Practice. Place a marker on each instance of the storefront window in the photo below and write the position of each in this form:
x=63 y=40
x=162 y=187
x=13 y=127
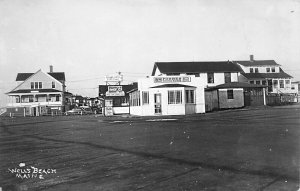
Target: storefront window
x=189 y=96
x=145 y=96
x=174 y=97
x=134 y=98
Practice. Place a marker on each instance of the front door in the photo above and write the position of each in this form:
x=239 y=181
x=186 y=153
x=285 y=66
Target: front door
x=157 y=103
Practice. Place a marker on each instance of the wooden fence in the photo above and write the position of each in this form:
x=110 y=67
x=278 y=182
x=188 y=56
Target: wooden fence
x=281 y=99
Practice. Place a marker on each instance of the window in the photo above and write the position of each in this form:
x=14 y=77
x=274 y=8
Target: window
x=268 y=70
x=210 y=78
x=275 y=82
x=189 y=96
x=251 y=70
x=174 y=97
x=251 y=82
x=17 y=99
x=264 y=82
x=36 y=85
x=145 y=96
x=30 y=98
x=273 y=69
x=227 y=76
x=229 y=94
x=281 y=83
x=57 y=98
x=256 y=70
x=257 y=82
x=287 y=83
x=53 y=84
x=134 y=98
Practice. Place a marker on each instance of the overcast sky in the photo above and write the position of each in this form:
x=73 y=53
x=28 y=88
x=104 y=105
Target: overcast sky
x=88 y=39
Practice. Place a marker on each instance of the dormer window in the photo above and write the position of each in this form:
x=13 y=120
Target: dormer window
x=273 y=69
x=53 y=84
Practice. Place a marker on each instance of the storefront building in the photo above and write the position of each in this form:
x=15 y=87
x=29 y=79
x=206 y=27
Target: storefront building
x=178 y=88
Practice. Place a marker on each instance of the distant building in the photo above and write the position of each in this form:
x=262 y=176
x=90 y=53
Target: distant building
x=39 y=93
x=115 y=98
x=265 y=72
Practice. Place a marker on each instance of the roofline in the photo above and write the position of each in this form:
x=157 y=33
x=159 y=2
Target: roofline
x=237 y=61
x=33 y=75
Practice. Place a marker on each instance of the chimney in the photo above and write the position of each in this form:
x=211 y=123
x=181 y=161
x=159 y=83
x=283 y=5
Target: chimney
x=51 y=68
x=251 y=58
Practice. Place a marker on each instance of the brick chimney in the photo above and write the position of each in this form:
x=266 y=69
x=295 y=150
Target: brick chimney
x=251 y=58
x=51 y=68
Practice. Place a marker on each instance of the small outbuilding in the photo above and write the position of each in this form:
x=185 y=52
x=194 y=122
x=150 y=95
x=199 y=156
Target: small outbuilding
x=234 y=95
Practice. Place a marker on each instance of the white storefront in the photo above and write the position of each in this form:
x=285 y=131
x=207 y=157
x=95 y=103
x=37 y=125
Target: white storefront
x=168 y=95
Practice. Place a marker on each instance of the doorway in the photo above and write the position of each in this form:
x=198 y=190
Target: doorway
x=157 y=104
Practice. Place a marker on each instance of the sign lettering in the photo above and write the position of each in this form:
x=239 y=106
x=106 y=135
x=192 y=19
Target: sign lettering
x=172 y=79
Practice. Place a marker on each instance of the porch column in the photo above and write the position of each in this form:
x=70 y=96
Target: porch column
x=264 y=93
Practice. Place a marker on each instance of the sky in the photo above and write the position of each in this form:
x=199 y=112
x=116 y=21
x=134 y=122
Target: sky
x=88 y=39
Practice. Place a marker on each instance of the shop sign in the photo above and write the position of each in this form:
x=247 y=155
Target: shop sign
x=115 y=91
x=173 y=79
x=112 y=89
x=122 y=93
x=113 y=78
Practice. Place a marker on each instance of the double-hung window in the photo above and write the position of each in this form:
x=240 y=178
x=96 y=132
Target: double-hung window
x=229 y=94
x=281 y=83
x=174 y=97
x=36 y=85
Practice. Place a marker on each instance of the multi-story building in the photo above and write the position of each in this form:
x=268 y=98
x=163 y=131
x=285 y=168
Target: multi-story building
x=266 y=72
x=38 y=93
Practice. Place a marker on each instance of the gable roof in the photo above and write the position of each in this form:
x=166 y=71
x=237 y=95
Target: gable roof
x=173 y=86
x=266 y=75
x=257 y=63
x=235 y=85
x=196 y=67
x=60 y=76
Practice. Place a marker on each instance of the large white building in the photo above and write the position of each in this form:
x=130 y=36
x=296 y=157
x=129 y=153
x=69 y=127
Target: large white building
x=38 y=93
x=178 y=88
x=266 y=72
